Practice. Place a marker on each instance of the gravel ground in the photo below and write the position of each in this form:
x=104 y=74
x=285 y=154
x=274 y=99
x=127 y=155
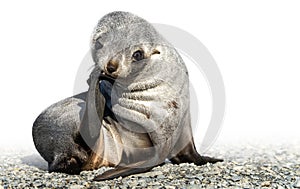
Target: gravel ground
x=245 y=166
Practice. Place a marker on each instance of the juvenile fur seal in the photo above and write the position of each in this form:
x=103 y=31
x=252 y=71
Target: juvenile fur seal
x=134 y=115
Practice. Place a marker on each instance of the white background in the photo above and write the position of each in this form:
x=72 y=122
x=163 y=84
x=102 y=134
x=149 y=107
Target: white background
x=256 y=45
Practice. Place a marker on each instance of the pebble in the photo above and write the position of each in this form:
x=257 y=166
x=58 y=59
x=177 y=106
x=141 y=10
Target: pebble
x=280 y=187
x=236 y=178
x=297 y=183
x=170 y=187
x=244 y=167
x=76 y=186
x=265 y=184
x=149 y=174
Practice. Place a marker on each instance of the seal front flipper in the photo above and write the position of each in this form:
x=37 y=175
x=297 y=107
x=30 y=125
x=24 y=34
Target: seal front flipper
x=152 y=158
x=93 y=115
x=122 y=171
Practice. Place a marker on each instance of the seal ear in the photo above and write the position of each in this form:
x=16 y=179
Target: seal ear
x=94 y=110
x=155 y=51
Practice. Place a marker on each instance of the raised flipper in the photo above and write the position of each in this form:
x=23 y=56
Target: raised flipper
x=93 y=115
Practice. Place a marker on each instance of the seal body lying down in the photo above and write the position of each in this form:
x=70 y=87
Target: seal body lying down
x=136 y=112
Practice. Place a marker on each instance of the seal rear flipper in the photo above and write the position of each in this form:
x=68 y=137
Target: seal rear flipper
x=93 y=115
x=121 y=171
x=207 y=159
x=65 y=164
x=190 y=155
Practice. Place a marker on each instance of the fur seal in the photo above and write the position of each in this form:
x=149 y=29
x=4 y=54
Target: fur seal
x=135 y=113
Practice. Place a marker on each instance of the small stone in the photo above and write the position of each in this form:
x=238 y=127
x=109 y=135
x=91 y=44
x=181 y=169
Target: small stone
x=297 y=183
x=134 y=183
x=193 y=182
x=37 y=183
x=280 y=187
x=149 y=174
x=236 y=178
x=238 y=168
x=246 y=186
x=48 y=184
x=170 y=187
x=76 y=187
x=265 y=184
x=190 y=176
x=194 y=187
x=161 y=176
x=199 y=177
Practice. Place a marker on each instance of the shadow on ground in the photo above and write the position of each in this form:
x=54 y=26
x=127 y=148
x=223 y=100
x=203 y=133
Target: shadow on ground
x=36 y=161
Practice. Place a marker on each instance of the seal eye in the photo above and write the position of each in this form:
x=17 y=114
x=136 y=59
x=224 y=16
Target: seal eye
x=98 y=45
x=138 y=55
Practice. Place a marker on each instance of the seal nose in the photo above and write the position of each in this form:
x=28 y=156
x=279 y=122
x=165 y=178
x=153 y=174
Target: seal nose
x=112 y=67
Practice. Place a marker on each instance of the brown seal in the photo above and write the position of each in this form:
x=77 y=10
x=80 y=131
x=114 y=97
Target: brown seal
x=137 y=118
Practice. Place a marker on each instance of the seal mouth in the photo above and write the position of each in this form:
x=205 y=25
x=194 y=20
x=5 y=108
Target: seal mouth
x=104 y=76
